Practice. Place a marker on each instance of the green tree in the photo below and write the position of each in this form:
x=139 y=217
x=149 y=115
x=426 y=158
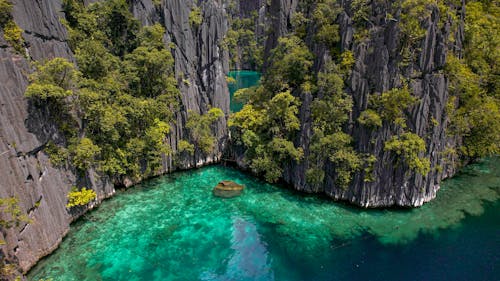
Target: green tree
x=11 y=213
x=151 y=37
x=482 y=32
x=245 y=45
x=291 y=62
x=120 y=26
x=409 y=147
x=330 y=111
x=14 y=35
x=477 y=118
x=150 y=72
x=84 y=153
x=54 y=79
x=51 y=83
x=185 y=146
x=325 y=17
x=200 y=129
x=195 y=16
x=370 y=118
x=392 y=105
x=94 y=60
x=156 y=142
x=265 y=128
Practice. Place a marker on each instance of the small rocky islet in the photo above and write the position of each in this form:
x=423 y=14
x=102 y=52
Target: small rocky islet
x=228 y=189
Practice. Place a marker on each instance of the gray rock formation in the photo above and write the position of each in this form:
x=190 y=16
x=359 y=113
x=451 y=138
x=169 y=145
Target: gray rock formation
x=377 y=70
x=200 y=67
x=25 y=170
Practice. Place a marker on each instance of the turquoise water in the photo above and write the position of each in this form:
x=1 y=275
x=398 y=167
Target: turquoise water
x=244 y=79
x=172 y=228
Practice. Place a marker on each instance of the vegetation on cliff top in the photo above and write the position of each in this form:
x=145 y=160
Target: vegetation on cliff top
x=474 y=82
x=290 y=73
x=125 y=91
x=116 y=109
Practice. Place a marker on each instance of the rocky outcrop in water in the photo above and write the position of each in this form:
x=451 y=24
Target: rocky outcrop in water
x=378 y=69
x=227 y=189
x=25 y=170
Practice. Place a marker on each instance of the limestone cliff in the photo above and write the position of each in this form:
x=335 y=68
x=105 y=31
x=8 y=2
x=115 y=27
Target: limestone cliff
x=377 y=69
x=25 y=170
x=198 y=60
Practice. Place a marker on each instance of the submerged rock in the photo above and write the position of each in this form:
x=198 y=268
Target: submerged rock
x=228 y=189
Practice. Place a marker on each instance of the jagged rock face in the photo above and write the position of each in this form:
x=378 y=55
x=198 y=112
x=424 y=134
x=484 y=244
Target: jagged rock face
x=245 y=8
x=280 y=14
x=25 y=170
x=200 y=65
x=377 y=70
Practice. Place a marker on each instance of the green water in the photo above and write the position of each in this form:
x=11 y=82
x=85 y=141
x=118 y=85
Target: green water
x=244 y=79
x=172 y=228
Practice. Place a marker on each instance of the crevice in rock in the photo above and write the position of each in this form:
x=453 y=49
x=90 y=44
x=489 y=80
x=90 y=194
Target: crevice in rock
x=32 y=152
x=35 y=206
x=45 y=37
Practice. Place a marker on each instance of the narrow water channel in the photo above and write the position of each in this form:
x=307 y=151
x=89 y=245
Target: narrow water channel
x=243 y=79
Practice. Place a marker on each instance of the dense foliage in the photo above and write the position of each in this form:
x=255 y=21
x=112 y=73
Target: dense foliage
x=267 y=123
x=114 y=110
x=200 y=130
x=409 y=147
x=291 y=74
x=474 y=83
x=330 y=112
x=5 y=10
x=125 y=93
x=117 y=108
x=325 y=18
x=195 y=16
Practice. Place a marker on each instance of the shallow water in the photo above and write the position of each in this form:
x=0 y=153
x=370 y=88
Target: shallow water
x=172 y=228
x=244 y=79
